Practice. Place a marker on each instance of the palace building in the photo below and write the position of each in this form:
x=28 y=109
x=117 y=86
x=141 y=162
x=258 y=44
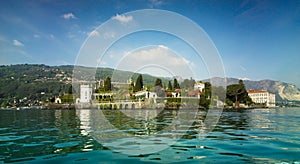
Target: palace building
x=262 y=97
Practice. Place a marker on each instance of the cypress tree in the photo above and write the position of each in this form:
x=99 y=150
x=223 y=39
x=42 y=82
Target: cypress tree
x=70 y=91
x=158 y=82
x=176 y=85
x=107 y=84
x=158 y=88
x=138 y=84
x=170 y=86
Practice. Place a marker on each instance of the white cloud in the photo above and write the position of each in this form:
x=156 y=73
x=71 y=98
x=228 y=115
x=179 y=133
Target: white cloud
x=156 y=60
x=159 y=54
x=69 y=16
x=244 y=78
x=17 y=43
x=94 y=33
x=162 y=46
x=123 y=18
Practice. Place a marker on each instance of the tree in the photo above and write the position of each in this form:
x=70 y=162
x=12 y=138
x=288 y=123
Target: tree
x=237 y=93
x=107 y=84
x=131 y=86
x=138 y=84
x=70 y=91
x=158 y=88
x=170 y=86
x=188 y=83
x=205 y=96
x=245 y=97
x=204 y=102
x=244 y=94
x=176 y=84
x=149 y=87
x=158 y=83
x=67 y=98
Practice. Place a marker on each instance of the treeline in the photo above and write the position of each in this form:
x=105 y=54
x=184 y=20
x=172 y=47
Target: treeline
x=25 y=84
x=233 y=95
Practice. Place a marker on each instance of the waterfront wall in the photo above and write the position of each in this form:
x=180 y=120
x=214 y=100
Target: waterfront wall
x=115 y=105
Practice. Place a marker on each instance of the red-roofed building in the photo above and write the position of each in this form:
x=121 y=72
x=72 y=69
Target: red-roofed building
x=262 y=97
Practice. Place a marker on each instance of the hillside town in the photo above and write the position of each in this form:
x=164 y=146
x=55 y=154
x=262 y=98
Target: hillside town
x=51 y=87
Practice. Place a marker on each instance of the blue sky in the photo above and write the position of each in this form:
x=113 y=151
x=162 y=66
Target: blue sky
x=255 y=39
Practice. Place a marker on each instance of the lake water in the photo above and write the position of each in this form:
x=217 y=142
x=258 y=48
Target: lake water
x=68 y=136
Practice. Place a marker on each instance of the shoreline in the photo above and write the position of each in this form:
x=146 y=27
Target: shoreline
x=97 y=106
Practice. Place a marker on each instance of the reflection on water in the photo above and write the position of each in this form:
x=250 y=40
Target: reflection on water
x=136 y=132
x=260 y=135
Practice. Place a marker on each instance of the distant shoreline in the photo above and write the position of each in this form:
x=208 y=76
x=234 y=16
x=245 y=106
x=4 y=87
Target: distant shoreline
x=89 y=106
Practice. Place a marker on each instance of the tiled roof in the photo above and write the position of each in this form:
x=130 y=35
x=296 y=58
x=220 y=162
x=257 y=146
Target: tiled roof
x=256 y=91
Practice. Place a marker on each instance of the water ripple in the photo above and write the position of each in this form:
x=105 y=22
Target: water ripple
x=251 y=136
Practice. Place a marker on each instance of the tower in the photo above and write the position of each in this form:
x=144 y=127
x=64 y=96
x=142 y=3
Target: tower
x=85 y=93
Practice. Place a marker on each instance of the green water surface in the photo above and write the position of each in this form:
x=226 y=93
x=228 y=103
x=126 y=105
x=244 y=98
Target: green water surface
x=61 y=136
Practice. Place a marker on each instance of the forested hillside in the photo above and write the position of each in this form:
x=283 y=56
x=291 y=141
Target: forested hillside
x=27 y=83
x=33 y=83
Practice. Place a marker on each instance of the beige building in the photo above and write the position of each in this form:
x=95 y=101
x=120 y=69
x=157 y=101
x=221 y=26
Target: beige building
x=262 y=97
x=199 y=86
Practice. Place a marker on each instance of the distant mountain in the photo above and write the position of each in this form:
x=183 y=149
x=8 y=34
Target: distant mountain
x=283 y=91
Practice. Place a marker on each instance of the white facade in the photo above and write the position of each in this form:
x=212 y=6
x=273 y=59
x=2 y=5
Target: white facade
x=57 y=100
x=272 y=101
x=146 y=94
x=85 y=93
x=175 y=94
x=199 y=86
x=262 y=97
